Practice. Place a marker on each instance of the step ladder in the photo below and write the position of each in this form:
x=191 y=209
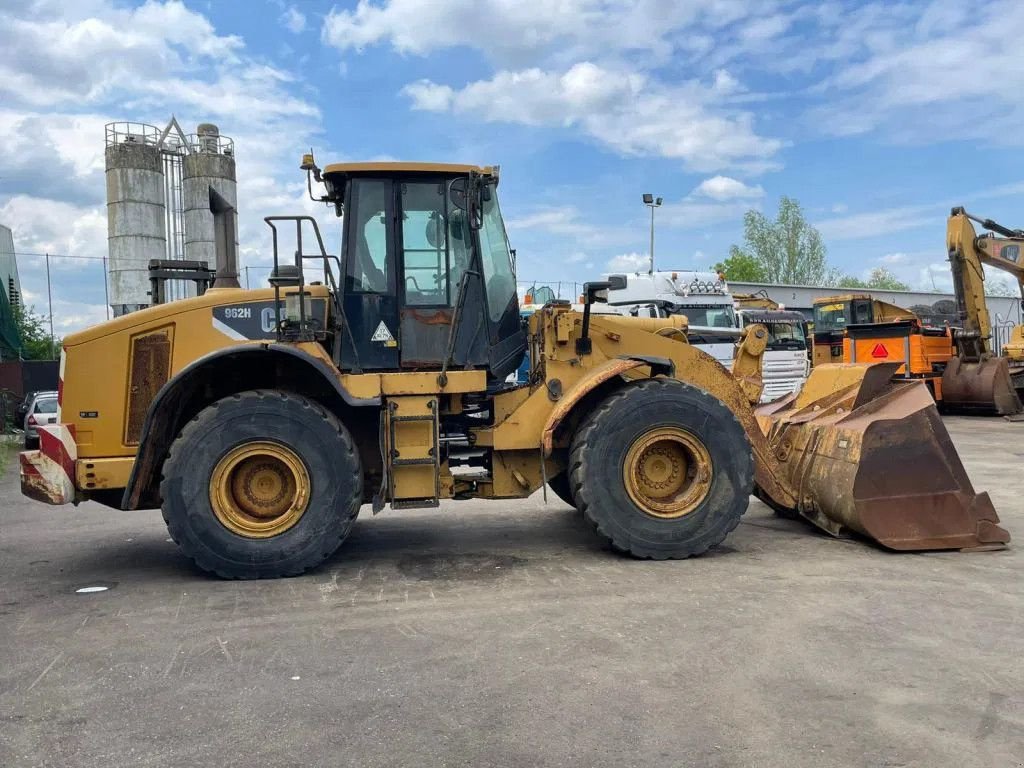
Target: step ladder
x=413 y=451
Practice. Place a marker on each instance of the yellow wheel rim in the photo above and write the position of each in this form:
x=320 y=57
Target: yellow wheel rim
x=667 y=472
x=259 y=489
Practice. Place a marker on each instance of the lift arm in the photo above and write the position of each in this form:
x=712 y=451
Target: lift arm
x=967 y=253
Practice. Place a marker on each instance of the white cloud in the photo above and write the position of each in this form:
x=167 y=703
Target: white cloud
x=891 y=68
x=880 y=222
x=630 y=262
x=293 y=20
x=726 y=188
x=894 y=258
x=68 y=69
x=56 y=56
x=516 y=31
x=624 y=110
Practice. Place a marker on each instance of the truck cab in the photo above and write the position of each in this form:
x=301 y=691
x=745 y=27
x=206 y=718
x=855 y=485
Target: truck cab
x=785 y=365
x=703 y=297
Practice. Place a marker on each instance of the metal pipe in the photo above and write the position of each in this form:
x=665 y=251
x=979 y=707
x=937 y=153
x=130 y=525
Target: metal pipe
x=651 y=270
x=49 y=304
x=106 y=288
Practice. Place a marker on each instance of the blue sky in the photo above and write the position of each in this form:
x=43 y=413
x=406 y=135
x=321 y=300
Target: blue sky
x=877 y=117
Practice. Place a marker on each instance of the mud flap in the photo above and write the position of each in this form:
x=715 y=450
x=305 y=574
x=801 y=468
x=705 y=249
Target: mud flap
x=982 y=388
x=873 y=457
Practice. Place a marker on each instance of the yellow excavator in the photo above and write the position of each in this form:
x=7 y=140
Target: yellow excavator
x=976 y=379
x=261 y=421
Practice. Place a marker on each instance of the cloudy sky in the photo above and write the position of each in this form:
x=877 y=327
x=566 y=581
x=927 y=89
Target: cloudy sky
x=877 y=117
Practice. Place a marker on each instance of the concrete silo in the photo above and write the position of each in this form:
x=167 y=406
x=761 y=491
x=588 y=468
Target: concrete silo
x=209 y=186
x=136 y=215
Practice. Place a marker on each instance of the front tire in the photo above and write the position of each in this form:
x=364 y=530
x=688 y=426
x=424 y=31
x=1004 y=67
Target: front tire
x=662 y=470
x=261 y=484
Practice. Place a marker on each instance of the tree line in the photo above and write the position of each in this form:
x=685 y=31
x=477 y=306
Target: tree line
x=790 y=251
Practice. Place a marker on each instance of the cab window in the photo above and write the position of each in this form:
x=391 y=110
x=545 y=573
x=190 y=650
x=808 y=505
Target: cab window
x=497 y=260
x=368 y=246
x=434 y=250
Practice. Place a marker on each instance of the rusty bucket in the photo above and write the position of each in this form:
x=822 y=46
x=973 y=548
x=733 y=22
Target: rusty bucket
x=865 y=454
x=982 y=388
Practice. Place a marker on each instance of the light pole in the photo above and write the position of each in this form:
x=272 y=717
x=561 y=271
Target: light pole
x=652 y=202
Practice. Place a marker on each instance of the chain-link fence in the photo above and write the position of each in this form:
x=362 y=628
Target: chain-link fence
x=69 y=292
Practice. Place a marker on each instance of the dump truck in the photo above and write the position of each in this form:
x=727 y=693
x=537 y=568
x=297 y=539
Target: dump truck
x=977 y=380
x=262 y=421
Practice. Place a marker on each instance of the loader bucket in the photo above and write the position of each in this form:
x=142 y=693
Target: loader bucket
x=982 y=388
x=872 y=456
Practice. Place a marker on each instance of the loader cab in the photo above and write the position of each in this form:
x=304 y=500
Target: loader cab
x=831 y=316
x=428 y=275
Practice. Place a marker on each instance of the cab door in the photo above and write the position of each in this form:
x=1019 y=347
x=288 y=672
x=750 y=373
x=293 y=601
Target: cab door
x=370 y=290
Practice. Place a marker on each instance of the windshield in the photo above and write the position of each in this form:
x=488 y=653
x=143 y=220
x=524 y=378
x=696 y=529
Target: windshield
x=786 y=336
x=497 y=260
x=708 y=315
x=830 y=317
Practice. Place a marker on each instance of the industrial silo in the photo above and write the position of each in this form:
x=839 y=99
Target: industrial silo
x=136 y=216
x=208 y=180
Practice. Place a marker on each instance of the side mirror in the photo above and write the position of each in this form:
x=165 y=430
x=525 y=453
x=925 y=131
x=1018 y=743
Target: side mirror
x=617 y=282
x=596 y=291
x=457 y=193
x=465 y=194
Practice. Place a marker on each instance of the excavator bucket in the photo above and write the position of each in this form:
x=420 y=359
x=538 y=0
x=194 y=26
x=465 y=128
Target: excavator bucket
x=862 y=453
x=983 y=388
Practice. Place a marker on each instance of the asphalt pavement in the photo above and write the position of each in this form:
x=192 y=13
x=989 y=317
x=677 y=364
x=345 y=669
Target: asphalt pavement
x=505 y=634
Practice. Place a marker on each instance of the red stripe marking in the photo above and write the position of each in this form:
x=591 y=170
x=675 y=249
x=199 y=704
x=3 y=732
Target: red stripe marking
x=27 y=467
x=53 y=447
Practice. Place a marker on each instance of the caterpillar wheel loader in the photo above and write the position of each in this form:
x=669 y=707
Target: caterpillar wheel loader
x=261 y=421
x=976 y=379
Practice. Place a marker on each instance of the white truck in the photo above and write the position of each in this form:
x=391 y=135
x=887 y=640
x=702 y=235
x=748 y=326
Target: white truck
x=716 y=321
x=785 y=365
x=702 y=296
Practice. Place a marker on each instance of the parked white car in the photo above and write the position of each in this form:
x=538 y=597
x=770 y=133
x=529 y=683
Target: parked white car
x=42 y=410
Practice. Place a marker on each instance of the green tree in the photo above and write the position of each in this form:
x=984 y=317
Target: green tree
x=35 y=335
x=787 y=250
x=741 y=267
x=880 y=279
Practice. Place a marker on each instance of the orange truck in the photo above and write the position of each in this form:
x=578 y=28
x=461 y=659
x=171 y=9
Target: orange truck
x=923 y=351
x=873 y=331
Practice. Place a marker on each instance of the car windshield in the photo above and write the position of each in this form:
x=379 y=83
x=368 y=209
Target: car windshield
x=46 y=405
x=708 y=315
x=786 y=336
x=830 y=317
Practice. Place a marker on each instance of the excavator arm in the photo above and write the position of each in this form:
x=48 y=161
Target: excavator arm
x=976 y=380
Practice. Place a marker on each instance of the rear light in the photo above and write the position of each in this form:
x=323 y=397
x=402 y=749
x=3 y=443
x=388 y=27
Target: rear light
x=32 y=420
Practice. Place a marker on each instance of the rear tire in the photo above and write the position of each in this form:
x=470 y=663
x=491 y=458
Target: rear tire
x=261 y=484
x=662 y=470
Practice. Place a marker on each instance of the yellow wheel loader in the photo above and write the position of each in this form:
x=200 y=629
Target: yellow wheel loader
x=976 y=379
x=261 y=421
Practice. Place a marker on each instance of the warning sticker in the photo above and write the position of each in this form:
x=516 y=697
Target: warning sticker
x=383 y=334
